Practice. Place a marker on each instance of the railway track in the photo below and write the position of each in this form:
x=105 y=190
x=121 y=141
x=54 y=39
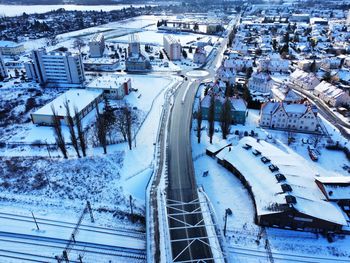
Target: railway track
x=83 y=227
x=56 y=244
x=282 y=257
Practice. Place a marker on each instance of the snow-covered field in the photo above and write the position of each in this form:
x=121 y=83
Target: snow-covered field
x=53 y=187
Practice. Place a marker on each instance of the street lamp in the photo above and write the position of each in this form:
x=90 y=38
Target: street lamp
x=228 y=211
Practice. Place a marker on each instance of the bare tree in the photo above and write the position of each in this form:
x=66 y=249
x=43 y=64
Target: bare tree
x=101 y=131
x=199 y=121
x=121 y=123
x=81 y=133
x=211 y=118
x=79 y=43
x=58 y=133
x=70 y=123
x=226 y=118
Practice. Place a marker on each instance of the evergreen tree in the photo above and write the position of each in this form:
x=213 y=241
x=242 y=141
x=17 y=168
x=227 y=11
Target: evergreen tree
x=199 y=121
x=226 y=118
x=313 y=66
x=211 y=118
x=184 y=54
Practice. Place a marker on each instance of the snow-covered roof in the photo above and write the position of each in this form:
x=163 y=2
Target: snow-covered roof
x=108 y=82
x=79 y=98
x=335 y=188
x=213 y=148
x=98 y=37
x=269 y=195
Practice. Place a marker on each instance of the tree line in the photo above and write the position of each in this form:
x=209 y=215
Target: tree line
x=107 y=122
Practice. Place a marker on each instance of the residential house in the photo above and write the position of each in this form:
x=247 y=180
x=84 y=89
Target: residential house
x=238 y=108
x=289 y=116
x=332 y=95
x=304 y=80
x=260 y=82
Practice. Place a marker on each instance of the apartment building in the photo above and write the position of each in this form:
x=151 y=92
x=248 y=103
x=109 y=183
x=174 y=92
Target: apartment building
x=55 y=68
x=172 y=47
x=3 y=71
x=289 y=116
x=97 y=45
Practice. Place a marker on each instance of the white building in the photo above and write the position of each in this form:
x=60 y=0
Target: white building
x=304 y=80
x=285 y=94
x=226 y=74
x=9 y=48
x=113 y=86
x=289 y=116
x=199 y=56
x=61 y=68
x=172 y=47
x=3 y=70
x=237 y=63
x=97 y=45
x=134 y=48
x=273 y=63
x=331 y=94
x=260 y=82
x=81 y=100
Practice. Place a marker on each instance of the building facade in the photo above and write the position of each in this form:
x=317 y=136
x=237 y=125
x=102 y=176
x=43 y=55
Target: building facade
x=3 y=70
x=332 y=95
x=113 y=86
x=55 y=68
x=238 y=108
x=97 y=45
x=289 y=116
x=8 y=48
x=172 y=47
x=260 y=82
x=80 y=100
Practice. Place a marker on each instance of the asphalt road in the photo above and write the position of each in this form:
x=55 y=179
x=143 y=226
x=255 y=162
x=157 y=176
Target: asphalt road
x=182 y=187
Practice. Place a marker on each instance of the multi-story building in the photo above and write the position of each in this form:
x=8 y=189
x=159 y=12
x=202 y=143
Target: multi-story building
x=134 y=45
x=8 y=48
x=97 y=45
x=304 y=80
x=199 y=56
x=113 y=86
x=55 y=68
x=3 y=71
x=289 y=116
x=238 y=108
x=260 y=82
x=172 y=47
x=273 y=63
x=331 y=94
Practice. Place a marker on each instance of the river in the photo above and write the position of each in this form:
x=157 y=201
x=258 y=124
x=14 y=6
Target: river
x=15 y=10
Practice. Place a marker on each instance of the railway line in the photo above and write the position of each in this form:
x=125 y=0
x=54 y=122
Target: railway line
x=48 y=245
x=281 y=257
x=83 y=227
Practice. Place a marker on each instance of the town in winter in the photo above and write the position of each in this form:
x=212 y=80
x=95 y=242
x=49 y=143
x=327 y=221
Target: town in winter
x=174 y=131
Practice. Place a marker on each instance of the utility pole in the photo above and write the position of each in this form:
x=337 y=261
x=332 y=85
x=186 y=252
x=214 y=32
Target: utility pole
x=131 y=208
x=37 y=226
x=88 y=205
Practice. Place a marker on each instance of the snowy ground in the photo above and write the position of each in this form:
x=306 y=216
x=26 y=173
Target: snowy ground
x=226 y=191
x=58 y=188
